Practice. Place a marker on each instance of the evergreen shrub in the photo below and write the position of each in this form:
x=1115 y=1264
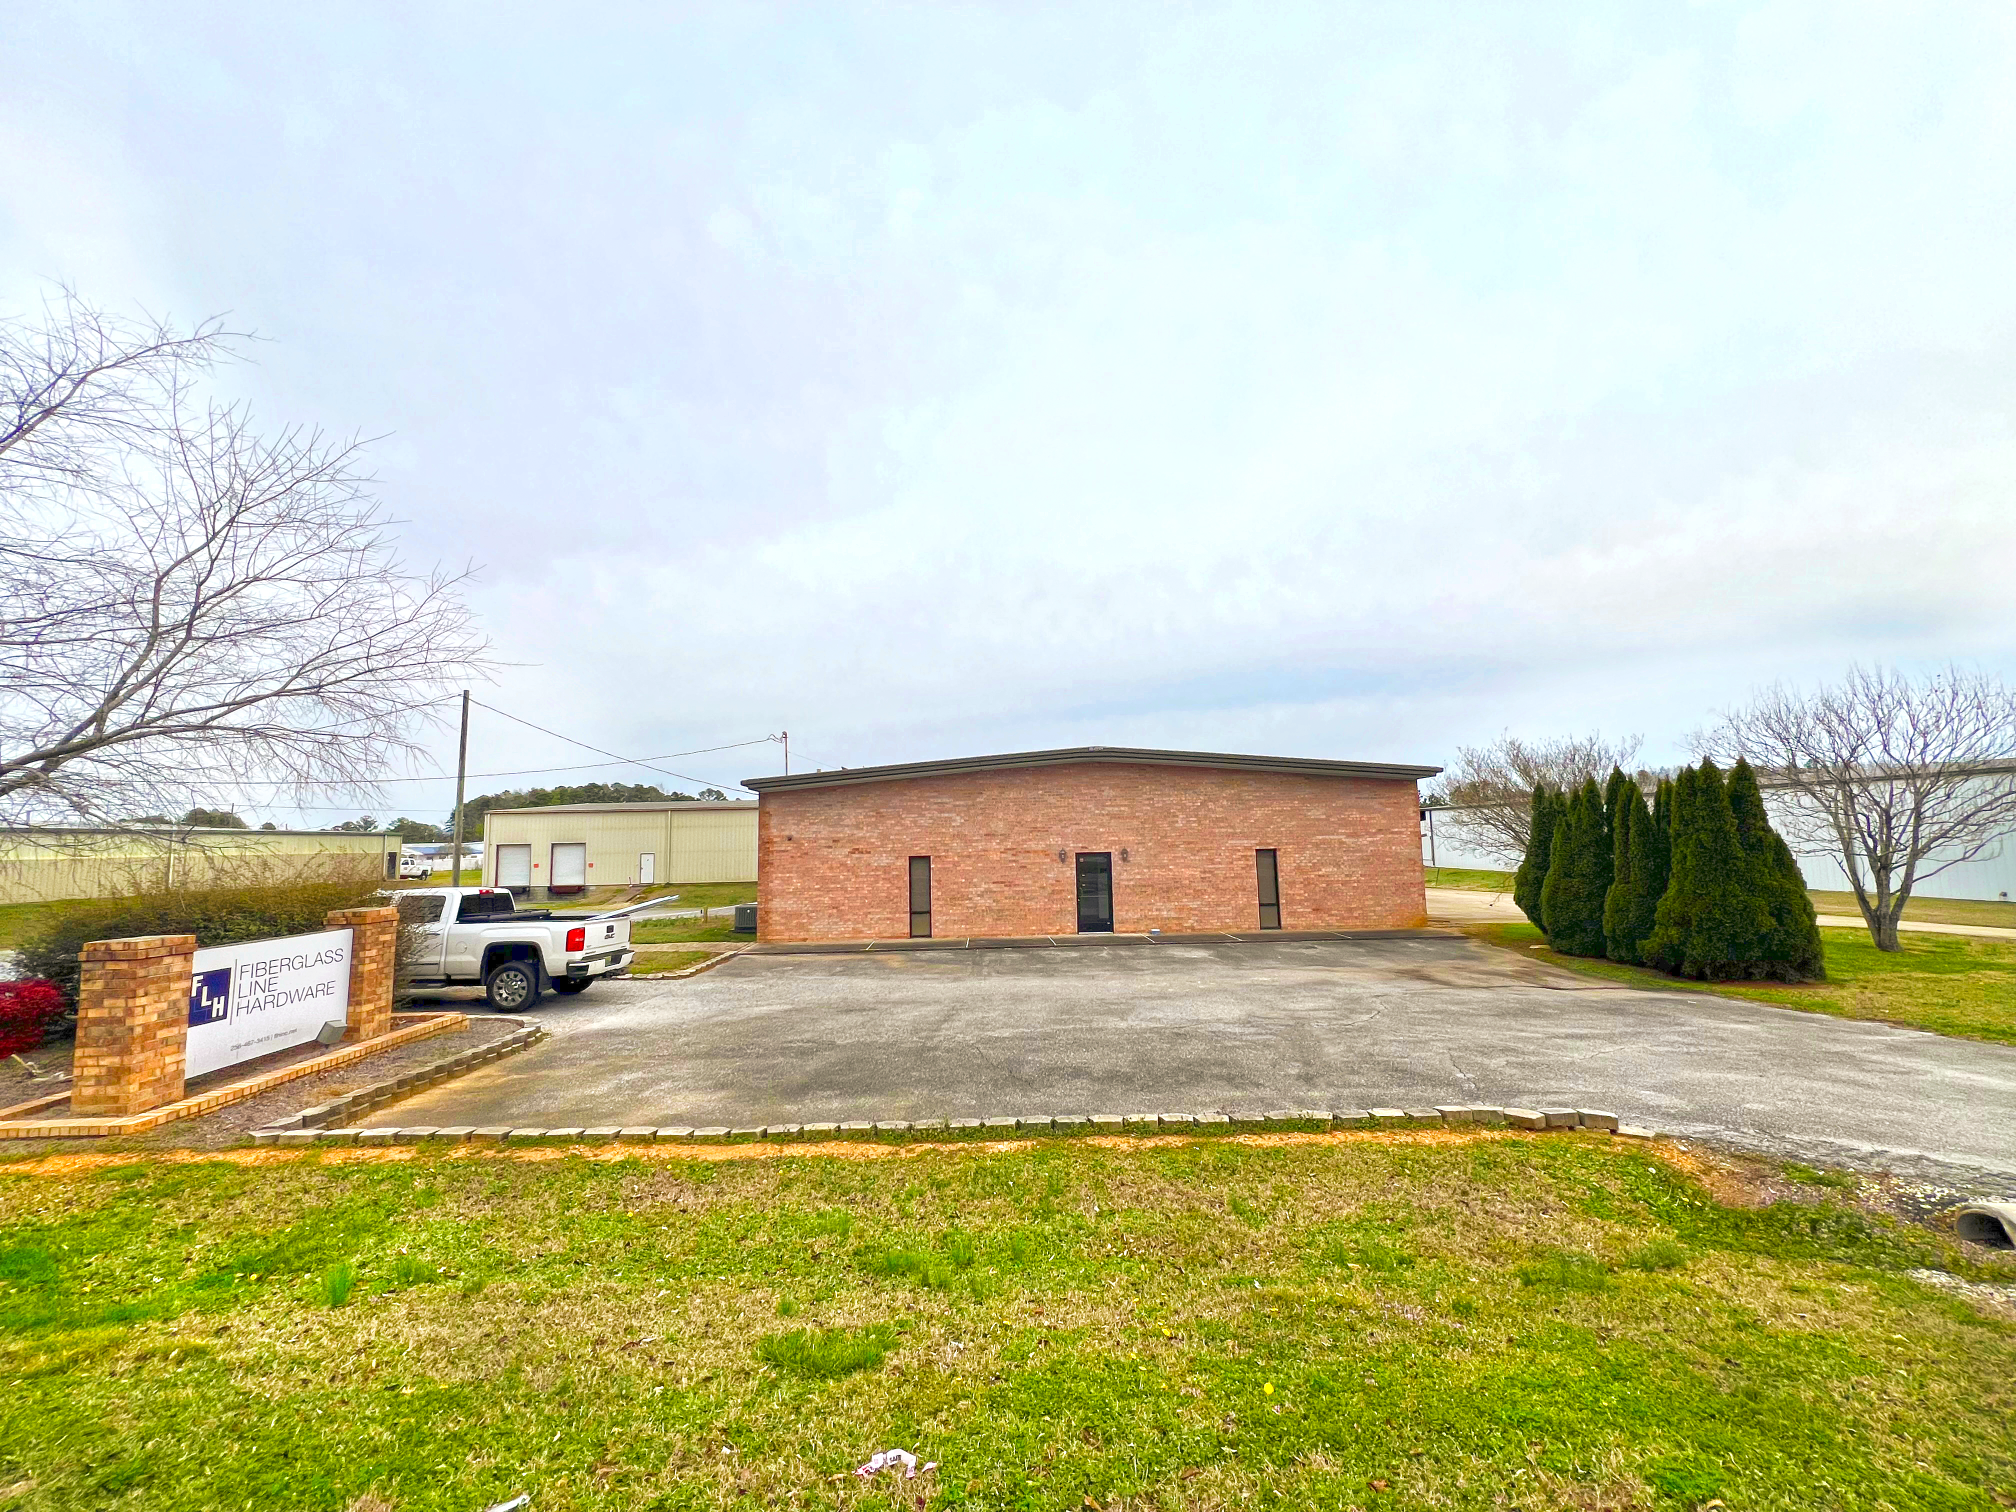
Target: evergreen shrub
x=1578 y=876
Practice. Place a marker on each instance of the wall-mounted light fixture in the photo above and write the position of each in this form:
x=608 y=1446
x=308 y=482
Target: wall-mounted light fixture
x=1060 y=855
x=1123 y=853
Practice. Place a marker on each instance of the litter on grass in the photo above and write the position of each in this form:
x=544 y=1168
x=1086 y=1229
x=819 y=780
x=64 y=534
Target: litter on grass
x=522 y=1499
x=892 y=1459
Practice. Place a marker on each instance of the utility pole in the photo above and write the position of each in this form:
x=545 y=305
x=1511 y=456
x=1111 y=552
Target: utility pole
x=785 y=736
x=461 y=779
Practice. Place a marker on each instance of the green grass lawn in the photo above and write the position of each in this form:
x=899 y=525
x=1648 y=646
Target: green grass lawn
x=651 y=961
x=677 y=931
x=20 y=920
x=712 y=894
x=1469 y=881
x=1918 y=910
x=1542 y=1323
x=1927 y=910
x=1946 y=983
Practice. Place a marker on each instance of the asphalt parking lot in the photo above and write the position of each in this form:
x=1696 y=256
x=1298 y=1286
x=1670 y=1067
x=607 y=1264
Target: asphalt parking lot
x=1239 y=1027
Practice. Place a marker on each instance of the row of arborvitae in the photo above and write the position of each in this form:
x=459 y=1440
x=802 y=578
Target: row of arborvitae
x=1697 y=884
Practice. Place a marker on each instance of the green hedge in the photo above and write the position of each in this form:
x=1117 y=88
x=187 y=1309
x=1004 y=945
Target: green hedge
x=216 y=916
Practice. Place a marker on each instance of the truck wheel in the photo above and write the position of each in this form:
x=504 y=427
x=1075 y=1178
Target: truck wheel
x=568 y=986
x=512 y=986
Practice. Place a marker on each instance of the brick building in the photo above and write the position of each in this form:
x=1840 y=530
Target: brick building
x=1088 y=840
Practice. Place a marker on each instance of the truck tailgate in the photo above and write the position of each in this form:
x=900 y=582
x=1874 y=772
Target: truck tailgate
x=607 y=934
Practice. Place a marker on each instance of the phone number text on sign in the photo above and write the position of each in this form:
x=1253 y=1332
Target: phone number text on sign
x=250 y=1000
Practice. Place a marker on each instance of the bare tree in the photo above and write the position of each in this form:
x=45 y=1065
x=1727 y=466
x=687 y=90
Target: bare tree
x=1896 y=778
x=188 y=608
x=1489 y=789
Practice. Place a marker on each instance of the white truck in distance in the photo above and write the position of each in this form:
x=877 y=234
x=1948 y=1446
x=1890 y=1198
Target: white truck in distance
x=478 y=936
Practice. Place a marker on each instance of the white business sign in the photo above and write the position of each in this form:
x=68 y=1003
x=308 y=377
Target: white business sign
x=264 y=995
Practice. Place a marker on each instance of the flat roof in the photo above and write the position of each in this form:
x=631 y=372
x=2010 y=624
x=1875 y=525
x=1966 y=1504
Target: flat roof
x=1293 y=766
x=630 y=808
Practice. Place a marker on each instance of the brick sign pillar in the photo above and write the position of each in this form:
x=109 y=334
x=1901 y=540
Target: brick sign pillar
x=374 y=952
x=132 y=1024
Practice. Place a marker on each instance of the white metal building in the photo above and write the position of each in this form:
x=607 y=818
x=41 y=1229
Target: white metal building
x=561 y=850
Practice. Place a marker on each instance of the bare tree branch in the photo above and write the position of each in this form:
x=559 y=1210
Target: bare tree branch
x=1490 y=788
x=1896 y=778
x=186 y=606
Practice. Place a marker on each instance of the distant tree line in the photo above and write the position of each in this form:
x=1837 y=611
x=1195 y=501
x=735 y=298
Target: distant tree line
x=475 y=809
x=1696 y=883
x=420 y=832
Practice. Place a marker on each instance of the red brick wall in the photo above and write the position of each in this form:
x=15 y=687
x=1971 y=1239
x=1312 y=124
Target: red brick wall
x=132 y=1024
x=833 y=863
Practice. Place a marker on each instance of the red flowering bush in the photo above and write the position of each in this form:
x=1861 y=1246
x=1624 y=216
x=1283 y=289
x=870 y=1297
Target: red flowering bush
x=27 y=1008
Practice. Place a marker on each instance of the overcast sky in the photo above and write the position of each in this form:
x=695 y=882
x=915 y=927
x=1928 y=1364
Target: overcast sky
x=1340 y=380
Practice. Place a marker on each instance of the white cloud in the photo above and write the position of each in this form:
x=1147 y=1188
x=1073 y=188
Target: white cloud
x=1298 y=378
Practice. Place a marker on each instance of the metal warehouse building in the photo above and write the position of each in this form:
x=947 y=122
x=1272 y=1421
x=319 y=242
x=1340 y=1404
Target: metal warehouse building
x=40 y=865
x=1093 y=840
x=561 y=850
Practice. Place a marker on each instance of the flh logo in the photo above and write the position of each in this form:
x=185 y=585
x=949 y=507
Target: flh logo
x=210 y=997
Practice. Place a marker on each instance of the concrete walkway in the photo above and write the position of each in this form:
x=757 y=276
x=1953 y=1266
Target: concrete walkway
x=1459 y=904
x=1183 y=1028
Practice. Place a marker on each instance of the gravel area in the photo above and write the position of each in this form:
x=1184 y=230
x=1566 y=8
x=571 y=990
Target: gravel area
x=228 y=1127
x=51 y=1058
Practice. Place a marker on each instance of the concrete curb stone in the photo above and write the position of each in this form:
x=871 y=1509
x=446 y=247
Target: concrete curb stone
x=300 y=1131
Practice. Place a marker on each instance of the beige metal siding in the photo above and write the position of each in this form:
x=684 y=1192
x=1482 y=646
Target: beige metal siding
x=46 y=866
x=710 y=845
x=692 y=845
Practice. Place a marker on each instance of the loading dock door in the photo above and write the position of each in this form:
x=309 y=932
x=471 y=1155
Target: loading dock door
x=514 y=866
x=570 y=867
x=1095 y=892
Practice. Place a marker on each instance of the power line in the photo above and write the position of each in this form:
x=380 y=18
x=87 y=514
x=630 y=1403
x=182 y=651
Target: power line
x=621 y=760
x=522 y=772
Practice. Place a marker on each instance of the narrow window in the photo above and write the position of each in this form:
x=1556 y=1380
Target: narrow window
x=1270 y=889
x=920 y=897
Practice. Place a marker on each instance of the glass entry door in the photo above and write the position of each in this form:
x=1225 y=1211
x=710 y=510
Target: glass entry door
x=1095 y=892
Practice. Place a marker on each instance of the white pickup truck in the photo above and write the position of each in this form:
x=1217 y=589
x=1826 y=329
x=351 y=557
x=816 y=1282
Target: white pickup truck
x=478 y=935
